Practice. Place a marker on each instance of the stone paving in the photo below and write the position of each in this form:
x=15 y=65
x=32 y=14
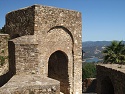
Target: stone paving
x=30 y=84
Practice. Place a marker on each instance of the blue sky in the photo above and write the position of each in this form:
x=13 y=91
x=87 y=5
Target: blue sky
x=101 y=19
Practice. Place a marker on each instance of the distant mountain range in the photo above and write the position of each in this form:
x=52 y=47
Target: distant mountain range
x=94 y=48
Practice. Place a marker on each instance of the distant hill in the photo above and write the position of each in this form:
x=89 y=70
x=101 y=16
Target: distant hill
x=94 y=48
x=95 y=43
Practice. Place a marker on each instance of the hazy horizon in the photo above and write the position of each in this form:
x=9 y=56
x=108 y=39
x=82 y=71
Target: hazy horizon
x=100 y=40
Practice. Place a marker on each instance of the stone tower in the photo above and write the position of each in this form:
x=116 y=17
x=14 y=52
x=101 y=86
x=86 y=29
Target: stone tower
x=47 y=41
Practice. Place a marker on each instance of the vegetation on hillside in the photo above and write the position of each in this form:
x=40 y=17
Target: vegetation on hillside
x=88 y=70
x=89 y=47
x=115 y=53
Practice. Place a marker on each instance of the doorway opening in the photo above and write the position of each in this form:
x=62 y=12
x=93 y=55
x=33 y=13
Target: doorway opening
x=58 y=70
x=107 y=86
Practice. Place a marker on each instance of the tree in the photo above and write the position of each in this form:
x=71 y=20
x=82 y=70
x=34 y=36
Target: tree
x=114 y=53
x=88 y=70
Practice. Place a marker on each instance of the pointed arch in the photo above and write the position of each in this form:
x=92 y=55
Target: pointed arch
x=65 y=29
x=58 y=69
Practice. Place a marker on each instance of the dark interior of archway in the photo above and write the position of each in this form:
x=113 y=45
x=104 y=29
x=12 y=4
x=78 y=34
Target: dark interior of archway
x=58 y=69
x=106 y=86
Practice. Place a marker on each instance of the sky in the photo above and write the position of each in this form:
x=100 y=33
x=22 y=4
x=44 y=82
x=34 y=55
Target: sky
x=102 y=20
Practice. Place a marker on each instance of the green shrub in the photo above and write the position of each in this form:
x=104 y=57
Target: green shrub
x=88 y=70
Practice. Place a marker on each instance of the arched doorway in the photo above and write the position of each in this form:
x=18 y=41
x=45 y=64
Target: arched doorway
x=107 y=86
x=58 y=69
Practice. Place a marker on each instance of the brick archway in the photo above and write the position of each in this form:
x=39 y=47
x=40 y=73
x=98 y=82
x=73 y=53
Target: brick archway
x=107 y=86
x=58 y=69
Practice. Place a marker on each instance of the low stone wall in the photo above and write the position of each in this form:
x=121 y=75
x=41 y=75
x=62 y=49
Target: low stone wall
x=3 y=53
x=110 y=79
x=4 y=44
x=24 y=58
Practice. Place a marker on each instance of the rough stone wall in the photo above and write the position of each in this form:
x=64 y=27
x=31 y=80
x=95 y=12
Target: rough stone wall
x=3 y=53
x=62 y=30
x=57 y=40
x=20 y=22
x=27 y=58
x=26 y=55
x=110 y=79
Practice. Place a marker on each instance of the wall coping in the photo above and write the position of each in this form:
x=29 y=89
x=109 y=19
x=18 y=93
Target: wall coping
x=116 y=67
x=3 y=34
x=39 y=5
x=29 y=39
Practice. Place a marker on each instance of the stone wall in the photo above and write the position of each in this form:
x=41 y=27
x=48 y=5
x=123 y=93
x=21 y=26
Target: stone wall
x=20 y=23
x=4 y=64
x=110 y=79
x=61 y=30
x=27 y=58
x=26 y=55
x=3 y=53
